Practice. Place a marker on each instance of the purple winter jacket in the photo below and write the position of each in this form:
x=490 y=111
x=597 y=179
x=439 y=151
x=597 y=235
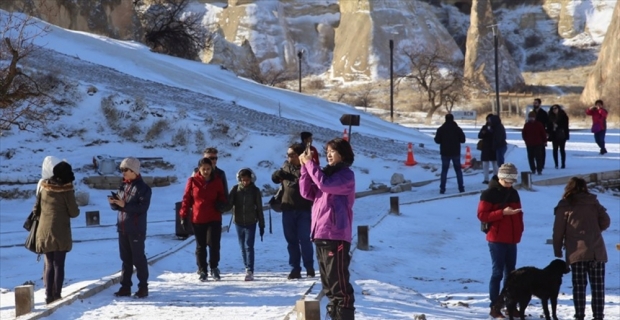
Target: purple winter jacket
x=332 y=197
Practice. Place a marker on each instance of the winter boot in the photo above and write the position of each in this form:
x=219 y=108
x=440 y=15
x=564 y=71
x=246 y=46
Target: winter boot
x=142 y=292
x=310 y=273
x=123 y=292
x=203 y=276
x=295 y=274
x=215 y=273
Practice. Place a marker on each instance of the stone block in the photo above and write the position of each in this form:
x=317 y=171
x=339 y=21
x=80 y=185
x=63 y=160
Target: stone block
x=24 y=299
x=82 y=198
x=308 y=310
x=397 y=178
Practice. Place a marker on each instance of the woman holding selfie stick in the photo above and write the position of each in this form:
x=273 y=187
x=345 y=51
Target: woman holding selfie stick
x=500 y=207
x=332 y=190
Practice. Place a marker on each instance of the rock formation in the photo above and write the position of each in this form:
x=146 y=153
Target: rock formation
x=604 y=80
x=112 y=18
x=480 y=54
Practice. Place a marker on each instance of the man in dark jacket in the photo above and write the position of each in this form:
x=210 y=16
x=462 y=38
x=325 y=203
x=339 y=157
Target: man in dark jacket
x=449 y=137
x=296 y=214
x=543 y=118
x=132 y=202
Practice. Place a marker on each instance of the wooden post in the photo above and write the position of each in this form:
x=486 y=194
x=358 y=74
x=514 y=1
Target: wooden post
x=24 y=299
x=362 y=238
x=526 y=180
x=308 y=310
x=594 y=177
x=92 y=218
x=394 y=206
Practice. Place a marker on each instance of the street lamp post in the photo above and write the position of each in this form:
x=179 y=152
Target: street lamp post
x=299 y=55
x=495 y=45
x=392 y=80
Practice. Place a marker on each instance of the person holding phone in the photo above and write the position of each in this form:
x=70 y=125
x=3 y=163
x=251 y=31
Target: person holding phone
x=500 y=207
x=132 y=201
x=332 y=191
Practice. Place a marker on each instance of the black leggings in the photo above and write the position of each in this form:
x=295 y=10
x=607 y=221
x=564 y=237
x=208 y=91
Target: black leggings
x=54 y=273
x=561 y=145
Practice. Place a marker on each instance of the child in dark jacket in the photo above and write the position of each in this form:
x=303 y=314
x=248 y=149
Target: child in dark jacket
x=246 y=200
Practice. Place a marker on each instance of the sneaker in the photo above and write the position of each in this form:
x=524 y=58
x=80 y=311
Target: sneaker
x=123 y=292
x=142 y=292
x=215 y=273
x=295 y=274
x=496 y=314
x=203 y=277
x=249 y=276
x=310 y=273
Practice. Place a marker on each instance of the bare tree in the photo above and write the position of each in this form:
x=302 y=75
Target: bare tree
x=172 y=30
x=439 y=77
x=22 y=98
x=270 y=75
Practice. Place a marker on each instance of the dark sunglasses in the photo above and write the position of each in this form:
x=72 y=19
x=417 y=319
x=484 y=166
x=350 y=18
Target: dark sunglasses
x=291 y=155
x=212 y=158
x=125 y=169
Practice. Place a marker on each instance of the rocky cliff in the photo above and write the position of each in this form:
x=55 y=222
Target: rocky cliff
x=480 y=53
x=604 y=80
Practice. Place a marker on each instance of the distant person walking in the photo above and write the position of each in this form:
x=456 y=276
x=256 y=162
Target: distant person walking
x=449 y=137
x=535 y=138
x=332 y=190
x=599 y=124
x=579 y=222
x=204 y=194
x=296 y=214
x=53 y=238
x=543 y=118
x=306 y=138
x=487 y=154
x=246 y=200
x=132 y=201
x=558 y=133
x=499 y=139
x=500 y=207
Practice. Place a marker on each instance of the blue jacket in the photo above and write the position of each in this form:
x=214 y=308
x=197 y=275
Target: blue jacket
x=137 y=196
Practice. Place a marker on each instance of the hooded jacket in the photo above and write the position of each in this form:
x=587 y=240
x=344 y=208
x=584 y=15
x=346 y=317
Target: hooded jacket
x=449 y=137
x=247 y=204
x=504 y=229
x=131 y=219
x=578 y=226
x=204 y=198
x=333 y=197
x=288 y=176
x=58 y=206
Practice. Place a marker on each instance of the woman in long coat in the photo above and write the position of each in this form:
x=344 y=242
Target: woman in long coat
x=487 y=154
x=53 y=236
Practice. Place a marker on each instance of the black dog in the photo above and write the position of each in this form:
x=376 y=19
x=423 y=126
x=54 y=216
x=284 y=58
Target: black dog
x=527 y=281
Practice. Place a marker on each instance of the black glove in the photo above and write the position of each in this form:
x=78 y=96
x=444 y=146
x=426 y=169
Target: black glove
x=262 y=232
x=183 y=224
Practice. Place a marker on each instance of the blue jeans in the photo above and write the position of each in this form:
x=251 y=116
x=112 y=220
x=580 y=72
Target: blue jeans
x=296 y=226
x=499 y=155
x=504 y=259
x=599 y=137
x=445 y=164
x=246 y=235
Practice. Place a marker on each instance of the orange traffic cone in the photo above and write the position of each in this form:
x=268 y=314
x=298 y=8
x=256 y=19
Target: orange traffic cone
x=467 y=163
x=410 y=160
x=345 y=135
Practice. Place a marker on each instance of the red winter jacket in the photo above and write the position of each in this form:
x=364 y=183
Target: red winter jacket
x=202 y=197
x=534 y=134
x=599 y=119
x=504 y=229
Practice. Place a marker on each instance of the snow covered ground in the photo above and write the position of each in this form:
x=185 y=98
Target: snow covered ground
x=432 y=259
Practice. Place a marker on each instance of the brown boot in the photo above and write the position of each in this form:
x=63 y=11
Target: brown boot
x=496 y=314
x=142 y=292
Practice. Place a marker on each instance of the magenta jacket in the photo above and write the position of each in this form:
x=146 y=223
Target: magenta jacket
x=599 y=122
x=333 y=197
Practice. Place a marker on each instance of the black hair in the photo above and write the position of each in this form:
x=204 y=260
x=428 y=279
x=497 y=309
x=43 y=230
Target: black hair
x=245 y=173
x=305 y=135
x=449 y=117
x=204 y=161
x=298 y=148
x=538 y=100
x=344 y=149
x=599 y=101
